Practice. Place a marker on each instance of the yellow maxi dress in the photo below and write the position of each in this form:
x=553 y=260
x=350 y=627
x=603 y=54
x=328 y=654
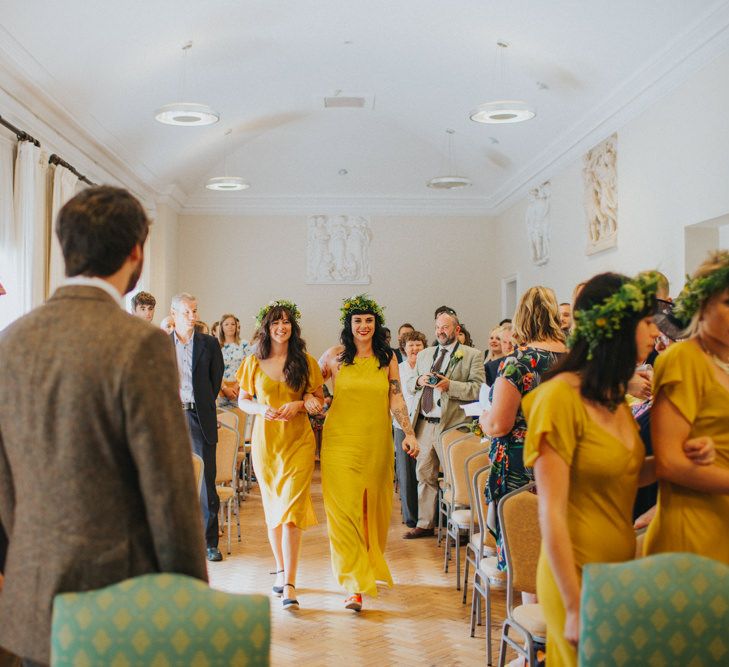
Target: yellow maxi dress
x=356 y=472
x=283 y=452
x=689 y=520
x=603 y=483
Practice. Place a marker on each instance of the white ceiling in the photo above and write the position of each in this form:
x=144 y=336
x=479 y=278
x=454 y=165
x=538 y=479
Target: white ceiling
x=265 y=66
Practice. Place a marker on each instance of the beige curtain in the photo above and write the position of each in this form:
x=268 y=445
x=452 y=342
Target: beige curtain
x=64 y=188
x=9 y=304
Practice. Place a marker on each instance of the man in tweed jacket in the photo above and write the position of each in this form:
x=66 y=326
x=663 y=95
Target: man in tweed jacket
x=96 y=480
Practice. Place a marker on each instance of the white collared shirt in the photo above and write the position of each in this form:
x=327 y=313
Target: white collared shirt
x=184 y=367
x=406 y=372
x=437 y=412
x=94 y=281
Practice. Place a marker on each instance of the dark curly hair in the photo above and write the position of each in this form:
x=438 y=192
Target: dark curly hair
x=604 y=378
x=381 y=349
x=296 y=368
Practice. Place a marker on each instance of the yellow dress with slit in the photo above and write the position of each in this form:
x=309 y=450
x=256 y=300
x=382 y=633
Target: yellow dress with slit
x=603 y=481
x=283 y=453
x=688 y=520
x=356 y=472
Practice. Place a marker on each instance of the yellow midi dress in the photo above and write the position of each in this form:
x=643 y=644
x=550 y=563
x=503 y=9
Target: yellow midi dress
x=689 y=520
x=603 y=483
x=356 y=472
x=283 y=452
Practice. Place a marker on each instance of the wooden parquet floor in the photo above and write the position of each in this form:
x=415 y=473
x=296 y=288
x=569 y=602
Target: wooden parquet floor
x=420 y=621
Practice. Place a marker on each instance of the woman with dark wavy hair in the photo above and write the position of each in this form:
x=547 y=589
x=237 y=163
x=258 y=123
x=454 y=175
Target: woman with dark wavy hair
x=284 y=381
x=357 y=450
x=586 y=450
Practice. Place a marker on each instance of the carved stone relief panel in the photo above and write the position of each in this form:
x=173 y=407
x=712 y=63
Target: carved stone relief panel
x=338 y=250
x=537 y=222
x=600 y=171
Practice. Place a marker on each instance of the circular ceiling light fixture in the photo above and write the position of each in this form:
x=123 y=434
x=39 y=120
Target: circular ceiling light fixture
x=227 y=184
x=188 y=114
x=449 y=182
x=503 y=111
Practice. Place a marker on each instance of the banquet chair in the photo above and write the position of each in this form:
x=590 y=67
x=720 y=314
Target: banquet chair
x=459 y=520
x=519 y=522
x=198 y=468
x=226 y=473
x=238 y=420
x=477 y=540
x=160 y=619
x=447 y=438
x=668 y=609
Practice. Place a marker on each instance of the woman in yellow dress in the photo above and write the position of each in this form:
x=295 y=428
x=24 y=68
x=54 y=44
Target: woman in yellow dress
x=691 y=389
x=278 y=375
x=357 y=449
x=586 y=451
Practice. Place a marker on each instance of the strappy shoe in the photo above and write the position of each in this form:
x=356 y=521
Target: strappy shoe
x=277 y=590
x=290 y=604
x=354 y=602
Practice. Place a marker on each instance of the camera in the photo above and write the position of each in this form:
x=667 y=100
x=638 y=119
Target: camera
x=433 y=379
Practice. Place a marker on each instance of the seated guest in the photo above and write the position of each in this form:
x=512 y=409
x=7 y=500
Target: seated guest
x=234 y=352
x=540 y=343
x=413 y=342
x=143 y=304
x=464 y=336
x=167 y=324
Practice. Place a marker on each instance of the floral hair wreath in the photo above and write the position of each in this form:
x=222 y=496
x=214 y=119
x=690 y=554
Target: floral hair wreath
x=360 y=304
x=600 y=322
x=697 y=290
x=278 y=303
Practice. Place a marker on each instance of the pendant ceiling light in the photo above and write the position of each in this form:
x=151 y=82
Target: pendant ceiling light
x=502 y=111
x=186 y=113
x=449 y=182
x=227 y=183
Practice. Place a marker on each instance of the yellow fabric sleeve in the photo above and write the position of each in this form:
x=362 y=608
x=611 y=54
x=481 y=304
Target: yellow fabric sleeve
x=245 y=375
x=680 y=376
x=553 y=410
x=315 y=379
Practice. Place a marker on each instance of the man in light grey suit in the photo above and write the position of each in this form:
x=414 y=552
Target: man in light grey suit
x=447 y=376
x=96 y=479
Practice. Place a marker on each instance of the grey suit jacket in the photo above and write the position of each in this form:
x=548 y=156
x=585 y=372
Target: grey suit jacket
x=96 y=481
x=466 y=375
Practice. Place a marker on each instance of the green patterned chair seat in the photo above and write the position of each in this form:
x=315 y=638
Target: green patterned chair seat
x=667 y=610
x=160 y=620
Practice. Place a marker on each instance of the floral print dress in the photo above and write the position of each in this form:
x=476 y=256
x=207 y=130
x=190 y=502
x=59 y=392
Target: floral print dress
x=523 y=369
x=233 y=356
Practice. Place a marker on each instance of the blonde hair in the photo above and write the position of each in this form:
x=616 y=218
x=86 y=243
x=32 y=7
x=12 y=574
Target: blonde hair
x=537 y=317
x=714 y=262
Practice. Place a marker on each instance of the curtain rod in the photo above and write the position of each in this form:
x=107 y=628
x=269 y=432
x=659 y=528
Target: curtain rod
x=54 y=159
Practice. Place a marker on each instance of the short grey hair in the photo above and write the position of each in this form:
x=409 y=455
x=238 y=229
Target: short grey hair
x=452 y=315
x=179 y=298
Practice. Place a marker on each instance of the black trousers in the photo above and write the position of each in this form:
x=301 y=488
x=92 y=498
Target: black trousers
x=407 y=481
x=209 y=500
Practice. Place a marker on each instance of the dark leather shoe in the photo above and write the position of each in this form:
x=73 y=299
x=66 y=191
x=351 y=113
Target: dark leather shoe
x=214 y=554
x=416 y=533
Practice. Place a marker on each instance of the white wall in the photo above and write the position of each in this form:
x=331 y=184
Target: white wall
x=161 y=255
x=673 y=171
x=237 y=264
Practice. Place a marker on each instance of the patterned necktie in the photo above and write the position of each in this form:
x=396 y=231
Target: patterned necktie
x=427 y=402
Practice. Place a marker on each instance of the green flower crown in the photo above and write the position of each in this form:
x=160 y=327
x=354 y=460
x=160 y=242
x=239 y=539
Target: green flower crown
x=278 y=303
x=360 y=304
x=600 y=322
x=697 y=290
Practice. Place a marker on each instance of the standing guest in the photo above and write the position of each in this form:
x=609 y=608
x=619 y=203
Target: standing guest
x=587 y=455
x=447 y=376
x=118 y=500
x=167 y=324
x=143 y=304
x=200 y=368
x=234 y=352
x=507 y=343
x=494 y=356
x=413 y=342
x=357 y=449
x=565 y=317
x=278 y=375
x=201 y=327
x=400 y=350
x=464 y=336
x=215 y=329
x=692 y=401
x=540 y=343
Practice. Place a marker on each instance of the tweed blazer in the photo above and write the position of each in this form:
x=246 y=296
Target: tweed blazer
x=96 y=481
x=465 y=371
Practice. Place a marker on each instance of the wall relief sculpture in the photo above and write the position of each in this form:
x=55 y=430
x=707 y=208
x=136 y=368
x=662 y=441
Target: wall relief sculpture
x=601 y=195
x=537 y=222
x=338 y=250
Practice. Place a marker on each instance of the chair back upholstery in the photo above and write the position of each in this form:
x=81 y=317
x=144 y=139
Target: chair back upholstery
x=225 y=455
x=228 y=417
x=668 y=609
x=447 y=439
x=198 y=468
x=480 y=479
x=519 y=522
x=474 y=463
x=169 y=619
x=458 y=453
